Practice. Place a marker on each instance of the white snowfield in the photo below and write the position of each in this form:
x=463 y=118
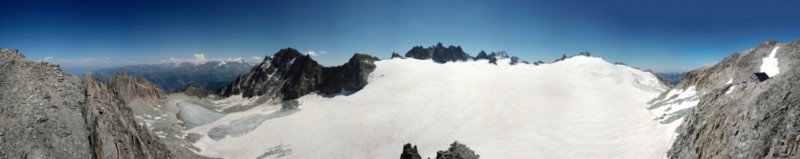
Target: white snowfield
x=769 y=64
x=582 y=107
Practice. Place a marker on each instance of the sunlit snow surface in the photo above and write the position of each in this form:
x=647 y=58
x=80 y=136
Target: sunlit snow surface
x=770 y=64
x=582 y=107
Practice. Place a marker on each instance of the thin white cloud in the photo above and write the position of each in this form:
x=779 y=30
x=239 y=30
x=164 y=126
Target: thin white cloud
x=312 y=53
x=200 y=58
x=48 y=58
x=316 y=53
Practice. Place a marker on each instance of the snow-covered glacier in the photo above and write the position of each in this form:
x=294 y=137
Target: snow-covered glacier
x=581 y=107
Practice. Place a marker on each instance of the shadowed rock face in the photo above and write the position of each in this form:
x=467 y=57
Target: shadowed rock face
x=395 y=55
x=48 y=114
x=410 y=152
x=289 y=75
x=743 y=119
x=438 y=53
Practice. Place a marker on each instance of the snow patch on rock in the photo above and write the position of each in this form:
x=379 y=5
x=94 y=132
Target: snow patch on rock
x=770 y=64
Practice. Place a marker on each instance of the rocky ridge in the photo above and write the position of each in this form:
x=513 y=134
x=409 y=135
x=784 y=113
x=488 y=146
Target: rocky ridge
x=289 y=74
x=494 y=56
x=737 y=118
x=441 y=54
x=46 y=113
x=455 y=151
x=438 y=53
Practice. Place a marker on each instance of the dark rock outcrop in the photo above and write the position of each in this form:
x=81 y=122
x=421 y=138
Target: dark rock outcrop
x=494 y=56
x=410 y=152
x=563 y=57
x=482 y=55
x=515 y=60
x=438 y=53
x=289 y=75
x=456 y=151
x=396 y=56
x=584 y=53
x=47 y=113
x=743 y=119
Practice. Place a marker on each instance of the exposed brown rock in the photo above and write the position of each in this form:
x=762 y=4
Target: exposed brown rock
x=750 y=120
x=46 y=113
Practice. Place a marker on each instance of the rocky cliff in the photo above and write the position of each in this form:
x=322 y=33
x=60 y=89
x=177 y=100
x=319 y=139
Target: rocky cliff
x=288 y=74
x=130 y=88
x=737 y=118
x=438 y=53
x=46 y=113
x=113 y=130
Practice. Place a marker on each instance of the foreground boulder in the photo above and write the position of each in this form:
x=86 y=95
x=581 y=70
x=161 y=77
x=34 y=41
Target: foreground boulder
x=456 y=151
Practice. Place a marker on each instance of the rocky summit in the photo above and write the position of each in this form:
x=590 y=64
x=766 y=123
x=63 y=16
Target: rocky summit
x=438 y=53
x=441 y=54
x=737 y=117
x=46 y=113
x=289 y=74
x=494 y=56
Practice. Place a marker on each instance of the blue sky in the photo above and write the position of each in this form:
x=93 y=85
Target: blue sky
x=666 y=36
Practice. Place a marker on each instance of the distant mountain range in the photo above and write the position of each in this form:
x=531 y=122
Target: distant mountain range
x=672 y=78
x=177 y=76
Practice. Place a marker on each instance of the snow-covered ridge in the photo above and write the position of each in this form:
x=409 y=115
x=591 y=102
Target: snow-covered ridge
x=577 y=108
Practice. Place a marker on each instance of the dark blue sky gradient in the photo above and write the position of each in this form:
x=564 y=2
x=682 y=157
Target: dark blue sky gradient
x=666 y=36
